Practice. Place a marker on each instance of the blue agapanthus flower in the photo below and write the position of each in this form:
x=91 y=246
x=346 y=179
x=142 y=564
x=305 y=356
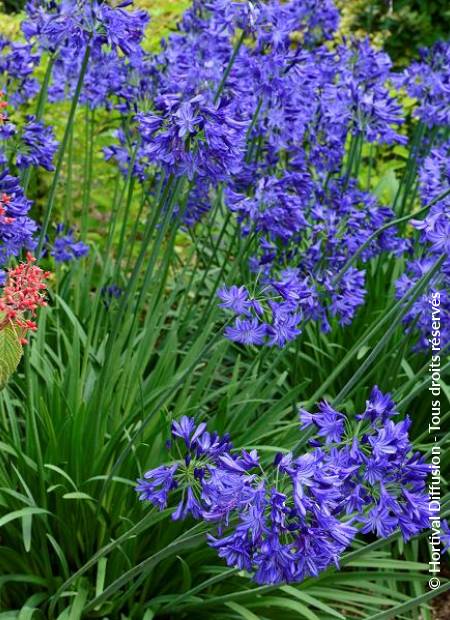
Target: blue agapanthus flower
x=292 y=518
x=434 y=177
x=418 y=317
x=428 y=80
x=284 y=94
x=17 y=64
x=17 y=229
x=315 y=232
x=37 y=145
x=117 y=73
x=73 y=23
x=53 y=24
x=120 y=28
x=66 y=247
x=194 y=137
x=247 y=331
x=434 y=237
x=275 y=132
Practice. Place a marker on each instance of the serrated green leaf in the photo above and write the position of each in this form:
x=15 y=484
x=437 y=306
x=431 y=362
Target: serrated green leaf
x=10 y=353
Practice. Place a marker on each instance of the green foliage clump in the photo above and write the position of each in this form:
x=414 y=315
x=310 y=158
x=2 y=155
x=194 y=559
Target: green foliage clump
x=400 y=26
x=9 y=23
x=164 y=15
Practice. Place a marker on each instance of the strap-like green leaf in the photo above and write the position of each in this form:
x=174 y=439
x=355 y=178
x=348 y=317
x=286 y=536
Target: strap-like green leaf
x=414 y=603
x=10 y=353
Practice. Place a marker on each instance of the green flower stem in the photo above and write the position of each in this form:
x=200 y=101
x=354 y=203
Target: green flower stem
x=223 y=81
x=409 y=298
x=392 y=318
x=42 y=100
x=62 y=150
x=88 y=171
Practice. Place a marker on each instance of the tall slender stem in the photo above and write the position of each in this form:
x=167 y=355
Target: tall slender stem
x=42 y=100
x=62 y=150
x=225 y=76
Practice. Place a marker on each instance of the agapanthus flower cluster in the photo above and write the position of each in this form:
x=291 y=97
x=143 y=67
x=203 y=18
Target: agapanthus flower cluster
x=109 y=293
x=291 y=518
x=36 y=146
x=193 y=137
x=248 y=96
x=428 y=80
x=113 y=34
x=66 y=247
x=434 y=237
x=53 y=24
x=17 y=64
x=306 y=236
x=433 y=306
x=311 y=22
x=16 y=228
x=74 y=23
x=434 y=177
x=7 y=128
x=286 y=92
x=22 y=295
x=112 y=80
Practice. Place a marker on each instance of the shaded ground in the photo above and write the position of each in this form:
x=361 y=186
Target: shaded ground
x=441 y=607
x=441 y=604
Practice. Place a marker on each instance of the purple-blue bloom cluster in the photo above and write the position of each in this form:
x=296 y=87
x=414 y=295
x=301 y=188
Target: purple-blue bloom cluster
x=434 y=242
x=428 y=80
x=237 y=101
x=286 y=94
x=16 y=227
x=57 y=26
x=33 y=146
x=418 y=317
x=250 y=97
x=37 y=145
x=109 y=293
x=294 y=517
x=434 y=177
x=315 y=232
x=117 y=65
x=192 y=137
x=66 y=247
x=17 y=64
x=65 y=29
